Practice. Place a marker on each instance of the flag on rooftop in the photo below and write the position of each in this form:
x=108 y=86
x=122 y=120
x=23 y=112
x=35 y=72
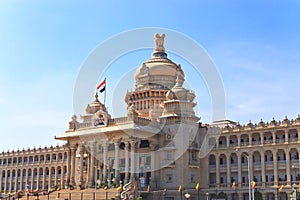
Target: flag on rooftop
x=101 y=86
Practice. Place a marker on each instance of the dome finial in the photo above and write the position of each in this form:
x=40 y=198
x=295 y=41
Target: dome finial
x=179 y=80
x=159 y=42
x=96 y=96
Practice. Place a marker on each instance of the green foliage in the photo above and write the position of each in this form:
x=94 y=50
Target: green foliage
x=102 y=185
x=257 y=195
x=139 y=198
x=222 y=195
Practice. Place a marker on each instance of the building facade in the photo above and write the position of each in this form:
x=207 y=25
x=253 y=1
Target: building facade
x=272 y=150
x=160 y=144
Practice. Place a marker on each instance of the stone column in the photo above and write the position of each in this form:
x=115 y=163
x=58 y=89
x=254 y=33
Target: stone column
x=250 y=139
x=227 y=141
x=228 y=170
x=50 y=177
x=286 y=133
x=117 y=165
x=56 y=176
x=275 y=167
x=239 y=139
x=5 y=181
x=10 y=180
x=288 y=166
x=217 y=170
x=298 y=131
x=92 y=164
x=1 y=180
x=38 y=179
x=32 y=175
x=105 y=175
x=44 y=179
x=250 y=156
x=21 y=179
x=276 y=195
x=81 y=153
x=264 y=196
x=68 y=165
x=62 y=177
x=239 y=170
x=126 y=162
x=298 y=149
x=72 y=167
x=132 y=159
x=240 y=195
x=261 y=137
x=217 y=143
x=16 y=180
x=274 y=137
x=263 y=169
x=153 y=179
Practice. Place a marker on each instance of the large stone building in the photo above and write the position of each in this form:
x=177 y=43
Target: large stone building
x=158 y=143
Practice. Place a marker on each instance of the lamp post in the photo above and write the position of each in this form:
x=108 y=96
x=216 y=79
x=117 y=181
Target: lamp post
x=121 y=186
x=249 y=182
x=207 y=195
x=187 y=195
x=164 y=193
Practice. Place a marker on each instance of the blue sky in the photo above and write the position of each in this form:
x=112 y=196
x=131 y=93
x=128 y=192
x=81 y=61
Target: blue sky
x=254 y=44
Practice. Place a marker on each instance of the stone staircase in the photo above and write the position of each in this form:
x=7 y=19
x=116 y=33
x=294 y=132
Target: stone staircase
x=86 y=194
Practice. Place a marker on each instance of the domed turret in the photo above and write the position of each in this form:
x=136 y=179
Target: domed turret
x=95 y=106
x=179 y=101
x=154 y=78
x=178 y=92
x=158 y=71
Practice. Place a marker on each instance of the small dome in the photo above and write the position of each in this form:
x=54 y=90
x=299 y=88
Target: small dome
x=261 y=123
x=179 y=92
x=94 y=106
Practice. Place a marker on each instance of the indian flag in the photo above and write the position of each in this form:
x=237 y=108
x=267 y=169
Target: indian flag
x=101 y=86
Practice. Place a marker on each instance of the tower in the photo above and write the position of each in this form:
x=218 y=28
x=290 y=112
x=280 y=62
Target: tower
x=154 y=78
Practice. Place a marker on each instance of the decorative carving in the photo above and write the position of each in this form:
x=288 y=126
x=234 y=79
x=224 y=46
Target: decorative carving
x=73 y=124
x=144 y=70
x=128 y=191
x=159 y=42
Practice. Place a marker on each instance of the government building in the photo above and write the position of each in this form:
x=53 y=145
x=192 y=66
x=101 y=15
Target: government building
x=161 y=146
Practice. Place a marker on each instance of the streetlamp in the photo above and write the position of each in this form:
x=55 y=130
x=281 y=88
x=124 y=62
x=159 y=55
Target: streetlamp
x=249 y=182
x=207 y=195
x=187 y=195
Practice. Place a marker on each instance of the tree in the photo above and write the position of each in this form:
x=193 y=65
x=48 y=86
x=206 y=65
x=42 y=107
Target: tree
x=257 y=195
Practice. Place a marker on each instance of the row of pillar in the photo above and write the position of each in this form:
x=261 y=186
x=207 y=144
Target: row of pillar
x=22 y=182
x=263 y=168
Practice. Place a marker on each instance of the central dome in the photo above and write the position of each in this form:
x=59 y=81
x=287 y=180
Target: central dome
x=158 y=71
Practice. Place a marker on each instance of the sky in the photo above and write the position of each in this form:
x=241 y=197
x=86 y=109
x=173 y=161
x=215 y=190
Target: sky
x=255 y=46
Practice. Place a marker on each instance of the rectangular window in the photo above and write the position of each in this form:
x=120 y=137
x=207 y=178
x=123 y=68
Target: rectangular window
x=169 y=178
x=169 y=155
x=148 y=160
x=111 y=147
x=192 y=178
